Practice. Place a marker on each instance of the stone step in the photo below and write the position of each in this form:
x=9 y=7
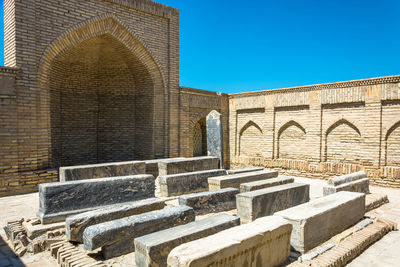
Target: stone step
x=211 y=201
x=252 y=186
x=235 y=180
x=153 y=249
x=264 y=242
x=57 y=201
x=117 y=237
x=320 y=219
x=264 y=202
x=185 y=183
x=75 y=225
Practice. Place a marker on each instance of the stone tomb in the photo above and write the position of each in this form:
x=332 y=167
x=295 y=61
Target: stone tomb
x=115 y=169
x=354 y=182
x=59 y=200
x=181 y=165
x=237 y=171
x=211 y=201
x=264 y=242
x=264 y=202
x=235 y=180
x=252 y=186
x=117 y=237
x=152 y=165
x=189 y=182
x=153 y=249
x=318 y=220
x=75 y=225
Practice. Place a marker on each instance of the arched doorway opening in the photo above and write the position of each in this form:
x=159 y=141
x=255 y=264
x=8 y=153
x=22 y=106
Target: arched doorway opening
x=200 y=138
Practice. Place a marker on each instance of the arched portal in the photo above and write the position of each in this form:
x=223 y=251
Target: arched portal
x=200 y=138
x=102 y=87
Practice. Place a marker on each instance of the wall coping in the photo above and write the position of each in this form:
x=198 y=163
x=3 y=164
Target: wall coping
x=148 y=6
x=188 y=90
x=8 y=70
x=344 y=84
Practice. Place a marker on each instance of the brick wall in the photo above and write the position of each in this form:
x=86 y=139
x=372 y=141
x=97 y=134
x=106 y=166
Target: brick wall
x=321 y=130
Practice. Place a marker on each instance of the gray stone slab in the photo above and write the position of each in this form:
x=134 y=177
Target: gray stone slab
x=264 y=202
x=235 y=180
x=347 y=178
x=211 y=201
x=174 y=166
x=153 y=249
x=318 y=220
x=252 y=186
x=59 y=200
x=264 y=242
x=114 y=169
x=215 y=141
x=361 y=186
x=152 y=165
x=117 y=237
x=75 y=225
x=255 y=169
x=189 y=182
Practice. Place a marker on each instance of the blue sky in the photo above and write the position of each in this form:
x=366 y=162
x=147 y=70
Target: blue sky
x=236 y=46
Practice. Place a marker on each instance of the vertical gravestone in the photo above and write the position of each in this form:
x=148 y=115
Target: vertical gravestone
x=214 y=136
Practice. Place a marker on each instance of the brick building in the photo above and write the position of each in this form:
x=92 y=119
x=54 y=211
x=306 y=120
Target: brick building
x=98 y=81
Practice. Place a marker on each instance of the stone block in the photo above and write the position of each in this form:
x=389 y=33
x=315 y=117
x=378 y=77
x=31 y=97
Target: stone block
x=255 y=169
x=59 y=200
x=318 y=220
x=189 y=182
x=264 y=202
x=117 y=237
x=104 y=170
x=152 y=166
x=215 y=144
x=347 y=178
x=211 y=201
x=182 y=165
x=264 y=242
x=36 y=230
x=252 y=186
x=153 y=249
x=75 y=225
x=361 y=186
x=235 y=180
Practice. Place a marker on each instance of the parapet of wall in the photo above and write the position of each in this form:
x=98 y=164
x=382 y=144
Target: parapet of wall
x=327 y=129
x=195 y=105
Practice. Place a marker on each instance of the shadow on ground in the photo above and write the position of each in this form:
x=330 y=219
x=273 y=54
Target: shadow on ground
x=7 y=256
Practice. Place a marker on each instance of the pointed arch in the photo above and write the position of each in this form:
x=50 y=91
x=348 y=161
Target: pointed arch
x=249 y=124
x=341 y=122
x=392 y=145
x=290 y=124
x=291 y=134
x=199 y=138
x=250 y=139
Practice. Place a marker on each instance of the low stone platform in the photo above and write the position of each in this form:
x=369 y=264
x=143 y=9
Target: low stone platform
x=264 y=242
x=211 y=201
x=252 y=186
x=114 y=169
x=153 y=249
x=59 y=200
x=265 y=202
x=320 y=219
x=237 y=171
x=117 y=237
x=353 y=182
x=75 y=225
x=185 y=183
x=235 y=180
x=182 y=165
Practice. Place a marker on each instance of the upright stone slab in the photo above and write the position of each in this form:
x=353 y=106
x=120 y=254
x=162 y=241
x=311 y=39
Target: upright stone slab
x=235 y=180
x=252 y=186
x=114 y=169
x=117 y=237
x=75 y=225
x=182 y=165
x=255 y=204
x=237 y=171
x=264 y=242
x=185 y=183
x=59 y=200
x=354 y=182
x=153 y=249
x=211 y=201
x=320 y=219
x=215 y=136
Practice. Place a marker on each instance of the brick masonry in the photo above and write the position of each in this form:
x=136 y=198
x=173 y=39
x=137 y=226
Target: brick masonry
x=98 y=81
